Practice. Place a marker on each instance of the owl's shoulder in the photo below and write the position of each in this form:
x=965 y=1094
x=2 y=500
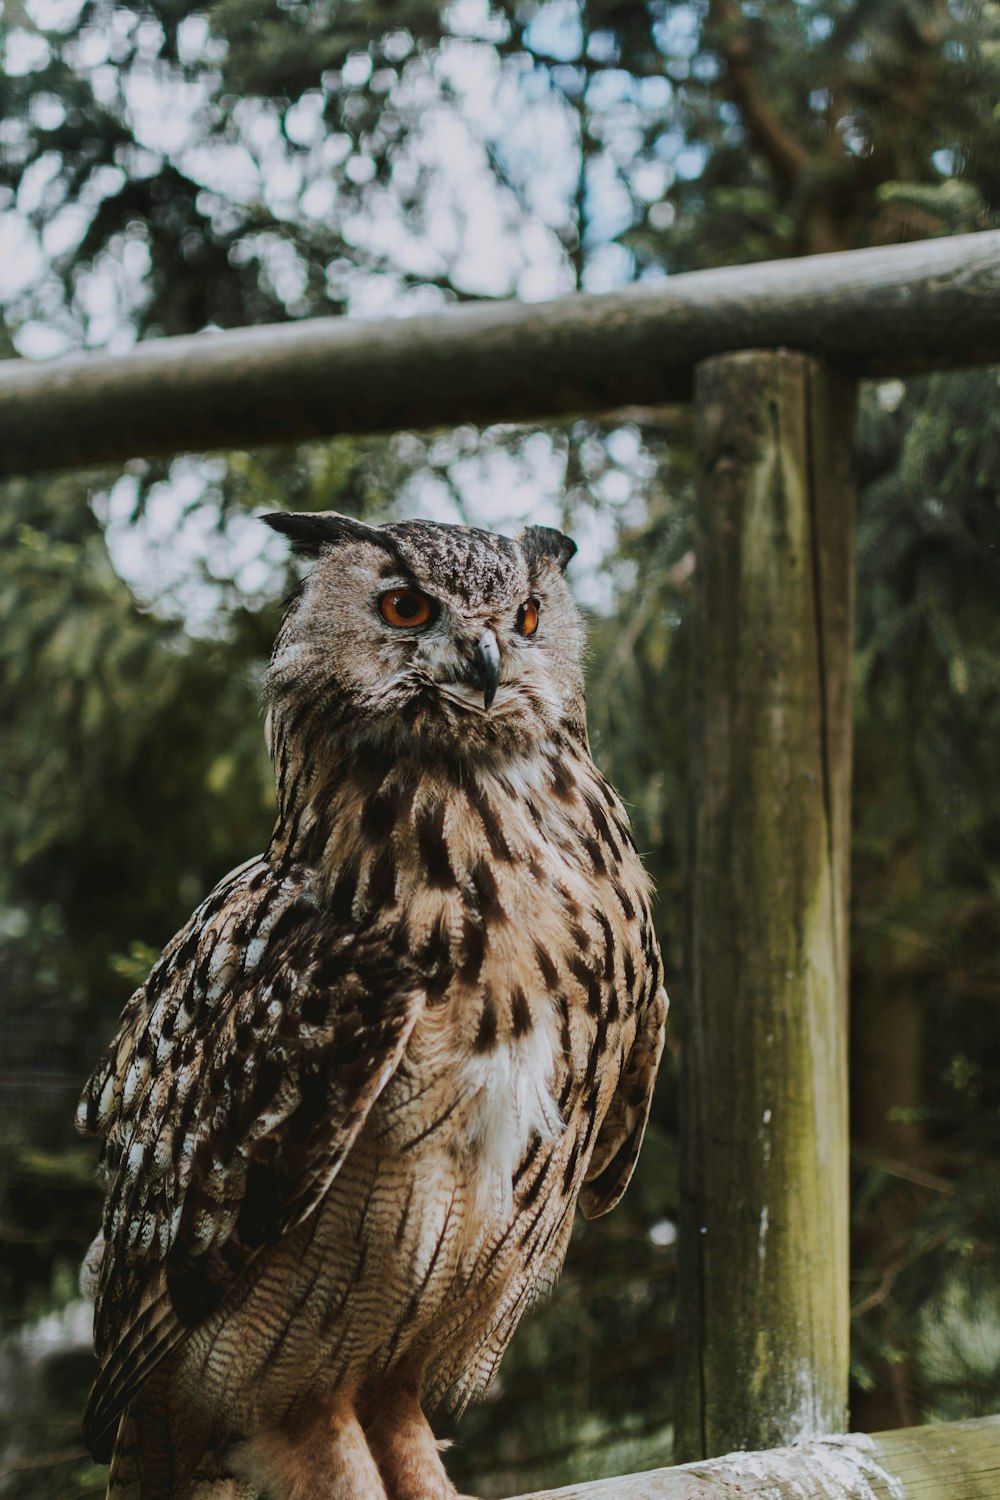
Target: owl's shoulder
x=223 y=942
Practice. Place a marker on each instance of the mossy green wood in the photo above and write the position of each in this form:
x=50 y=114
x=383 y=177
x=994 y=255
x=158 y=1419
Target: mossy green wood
x=948 y=1461
x=763 y=1280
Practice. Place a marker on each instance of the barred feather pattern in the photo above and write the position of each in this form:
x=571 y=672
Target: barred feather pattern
x=348 y=1118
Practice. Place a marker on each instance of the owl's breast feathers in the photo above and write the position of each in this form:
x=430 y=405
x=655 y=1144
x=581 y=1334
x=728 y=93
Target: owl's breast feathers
x=464 y=960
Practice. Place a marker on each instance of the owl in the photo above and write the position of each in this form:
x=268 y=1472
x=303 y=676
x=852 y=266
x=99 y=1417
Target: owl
x=347 y=1119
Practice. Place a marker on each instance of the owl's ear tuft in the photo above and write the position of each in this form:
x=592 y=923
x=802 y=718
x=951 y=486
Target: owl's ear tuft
x=541 y=543
x=311 y=531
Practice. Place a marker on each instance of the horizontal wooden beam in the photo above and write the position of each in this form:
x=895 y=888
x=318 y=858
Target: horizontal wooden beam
x=946 y=1461
x=895 y=309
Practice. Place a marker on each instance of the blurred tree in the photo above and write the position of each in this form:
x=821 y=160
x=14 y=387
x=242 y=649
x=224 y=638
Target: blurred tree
x=123 y=798
x=171 y=167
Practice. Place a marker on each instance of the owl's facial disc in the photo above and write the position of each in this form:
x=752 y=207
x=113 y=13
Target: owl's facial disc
x=470 y=674
x=483 y=675
x=438 y=640
x=410 y=610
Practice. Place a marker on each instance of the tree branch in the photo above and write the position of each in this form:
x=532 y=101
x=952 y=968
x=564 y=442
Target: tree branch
x=787 y=156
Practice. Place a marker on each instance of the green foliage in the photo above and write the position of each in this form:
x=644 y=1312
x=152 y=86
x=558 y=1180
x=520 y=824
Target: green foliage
x=926 y=886
x=135 y=777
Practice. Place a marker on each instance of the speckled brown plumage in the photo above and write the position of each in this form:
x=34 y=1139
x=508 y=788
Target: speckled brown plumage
x=349 y=1115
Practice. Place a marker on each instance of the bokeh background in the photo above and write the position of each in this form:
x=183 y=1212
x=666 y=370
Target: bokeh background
x=169 y=167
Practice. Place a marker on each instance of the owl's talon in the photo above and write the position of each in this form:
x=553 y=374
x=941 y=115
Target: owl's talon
x=403 y=1444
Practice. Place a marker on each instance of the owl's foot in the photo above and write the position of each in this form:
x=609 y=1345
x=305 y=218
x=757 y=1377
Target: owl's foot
x=403 y=1446
x=325 y=1458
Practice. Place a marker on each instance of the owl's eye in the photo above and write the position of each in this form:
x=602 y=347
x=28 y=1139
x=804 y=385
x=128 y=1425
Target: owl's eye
x=527 y=617
x=406 y=608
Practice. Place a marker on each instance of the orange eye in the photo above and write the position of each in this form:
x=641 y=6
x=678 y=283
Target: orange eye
x=527 y=617
x=406 y=608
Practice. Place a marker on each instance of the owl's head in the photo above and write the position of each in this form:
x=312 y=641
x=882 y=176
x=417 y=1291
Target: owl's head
x=429 y=638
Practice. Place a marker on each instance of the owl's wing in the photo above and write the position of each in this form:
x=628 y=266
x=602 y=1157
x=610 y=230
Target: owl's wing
x=238 y=1082
x=620 y=1136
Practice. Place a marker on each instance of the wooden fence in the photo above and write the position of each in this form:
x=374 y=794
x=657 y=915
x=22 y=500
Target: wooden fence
x=770 y=354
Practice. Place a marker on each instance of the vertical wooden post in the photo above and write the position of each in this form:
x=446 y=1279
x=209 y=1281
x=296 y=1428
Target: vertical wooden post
x=763 y=1294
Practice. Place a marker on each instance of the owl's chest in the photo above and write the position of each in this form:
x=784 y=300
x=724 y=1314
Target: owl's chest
x=520 y=904
x=486 y=1106
x=530 y=963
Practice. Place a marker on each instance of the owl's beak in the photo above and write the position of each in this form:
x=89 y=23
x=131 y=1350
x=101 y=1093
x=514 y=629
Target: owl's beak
x=486 y=666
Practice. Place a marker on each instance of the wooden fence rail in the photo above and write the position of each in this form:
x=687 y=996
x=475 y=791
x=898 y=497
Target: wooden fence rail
x=930 y=305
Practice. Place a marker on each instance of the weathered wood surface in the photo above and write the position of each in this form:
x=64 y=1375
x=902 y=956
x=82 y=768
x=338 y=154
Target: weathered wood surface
x=897 y=308
x=948 y=1461
x=762 y=1339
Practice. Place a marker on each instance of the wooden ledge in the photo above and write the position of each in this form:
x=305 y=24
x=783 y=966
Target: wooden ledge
x=946 y=1461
